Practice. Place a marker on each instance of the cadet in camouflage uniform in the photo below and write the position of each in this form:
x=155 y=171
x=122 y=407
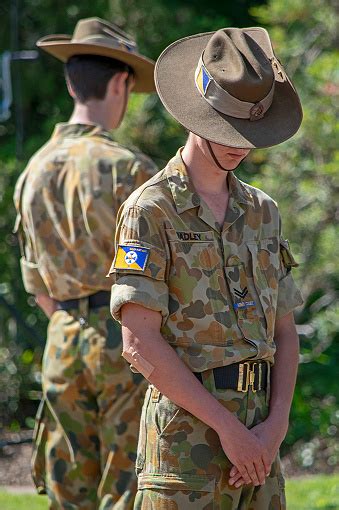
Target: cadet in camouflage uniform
x=203 y=285
x=67 y=201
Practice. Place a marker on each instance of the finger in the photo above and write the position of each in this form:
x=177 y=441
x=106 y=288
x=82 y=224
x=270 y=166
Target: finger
x=240 y=483
x=267 y=464
x=235 y=478
x=260 y=471
x=233 y=471
x=252 y=473
x=244 y=474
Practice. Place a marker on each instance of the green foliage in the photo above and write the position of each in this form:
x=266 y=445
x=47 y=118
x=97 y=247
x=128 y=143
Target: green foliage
x=158 y=23
x=22 y=325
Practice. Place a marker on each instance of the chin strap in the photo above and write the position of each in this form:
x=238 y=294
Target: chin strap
x=213 y=156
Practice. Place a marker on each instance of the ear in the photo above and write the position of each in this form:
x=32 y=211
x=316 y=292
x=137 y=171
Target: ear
x=117 y=84
x=70 y=89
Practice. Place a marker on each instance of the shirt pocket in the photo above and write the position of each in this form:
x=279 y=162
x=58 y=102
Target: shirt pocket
x=244 y=299
x=197 y=288
x=265 y=266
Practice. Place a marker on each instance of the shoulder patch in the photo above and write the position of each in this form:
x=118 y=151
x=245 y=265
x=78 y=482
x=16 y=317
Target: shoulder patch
x=131 y=257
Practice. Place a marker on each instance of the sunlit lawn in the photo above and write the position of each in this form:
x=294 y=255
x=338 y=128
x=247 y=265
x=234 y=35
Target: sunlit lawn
x=313 y=493
x=22 y=502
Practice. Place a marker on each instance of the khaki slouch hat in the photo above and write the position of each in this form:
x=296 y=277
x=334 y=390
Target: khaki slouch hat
x=95 y=36
x=229 y=88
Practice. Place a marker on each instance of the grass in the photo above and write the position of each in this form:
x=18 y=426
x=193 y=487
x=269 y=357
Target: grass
x=311 y=493
x=10 y=501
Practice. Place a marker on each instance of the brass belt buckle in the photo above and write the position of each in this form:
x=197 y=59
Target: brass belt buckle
x=250 y=377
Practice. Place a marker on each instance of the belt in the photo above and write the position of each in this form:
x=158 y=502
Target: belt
x=101 y=298
x=240 y=376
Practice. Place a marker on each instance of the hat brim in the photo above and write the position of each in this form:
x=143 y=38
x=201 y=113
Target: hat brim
x=63 y=49
x=175 y=84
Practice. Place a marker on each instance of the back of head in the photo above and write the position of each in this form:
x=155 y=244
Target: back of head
x=95 y=37
x=89 y=75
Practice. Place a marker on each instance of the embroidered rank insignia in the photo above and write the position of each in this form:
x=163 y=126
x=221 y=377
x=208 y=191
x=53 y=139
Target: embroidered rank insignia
x=241 y=293
x=203 y=80
x=131 y=257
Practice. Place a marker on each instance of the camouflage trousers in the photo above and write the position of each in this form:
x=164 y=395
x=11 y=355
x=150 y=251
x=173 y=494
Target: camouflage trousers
x=180 y=462
x=87 y=426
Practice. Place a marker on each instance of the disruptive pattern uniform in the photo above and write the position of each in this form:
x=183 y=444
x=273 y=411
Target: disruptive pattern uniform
x=67 y=201
x=219 y=291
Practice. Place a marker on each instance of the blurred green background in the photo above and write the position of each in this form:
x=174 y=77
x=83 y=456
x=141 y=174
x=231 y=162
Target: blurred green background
x=302 y=175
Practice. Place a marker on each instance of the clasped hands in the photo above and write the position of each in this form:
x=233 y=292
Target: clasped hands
x=253 y=451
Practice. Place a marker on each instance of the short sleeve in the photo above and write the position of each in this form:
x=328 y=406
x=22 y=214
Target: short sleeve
x=139 y=266
x=31 y=277
x=289 y=296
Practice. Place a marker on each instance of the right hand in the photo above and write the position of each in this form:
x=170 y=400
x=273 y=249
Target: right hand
x=246 y=453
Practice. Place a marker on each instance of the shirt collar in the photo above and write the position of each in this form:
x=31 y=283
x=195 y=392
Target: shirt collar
x=184 y=195
x=64 y=129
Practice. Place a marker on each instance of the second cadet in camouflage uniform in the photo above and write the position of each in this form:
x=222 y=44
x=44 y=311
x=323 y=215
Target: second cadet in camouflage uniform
x=203 y=285
x=67 y=200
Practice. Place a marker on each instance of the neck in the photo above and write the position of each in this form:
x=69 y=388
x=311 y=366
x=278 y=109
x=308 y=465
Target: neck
x=207 y=178
x=93 y=112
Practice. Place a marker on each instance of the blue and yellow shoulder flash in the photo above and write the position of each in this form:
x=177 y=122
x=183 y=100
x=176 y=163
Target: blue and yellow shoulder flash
x=131 y=257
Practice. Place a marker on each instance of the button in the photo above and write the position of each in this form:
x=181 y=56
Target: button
x=82 y=322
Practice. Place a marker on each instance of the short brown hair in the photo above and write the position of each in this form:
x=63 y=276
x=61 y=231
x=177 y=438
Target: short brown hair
x=89 y=75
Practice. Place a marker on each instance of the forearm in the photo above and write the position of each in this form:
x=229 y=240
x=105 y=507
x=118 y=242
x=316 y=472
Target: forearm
x=175 y=380
x=284 y=371
x=148 y=351
x=46 y=303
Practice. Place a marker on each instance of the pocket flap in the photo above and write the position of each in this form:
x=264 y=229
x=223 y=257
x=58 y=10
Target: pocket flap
x=172 y=481
x=286 y=256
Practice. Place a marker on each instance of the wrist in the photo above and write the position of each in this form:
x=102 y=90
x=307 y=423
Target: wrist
x=225 y=423
x=279 y=423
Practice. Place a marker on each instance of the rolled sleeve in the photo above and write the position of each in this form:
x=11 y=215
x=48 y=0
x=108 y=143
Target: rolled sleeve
x=31 y=277
x=140 y=290
x=139 y=232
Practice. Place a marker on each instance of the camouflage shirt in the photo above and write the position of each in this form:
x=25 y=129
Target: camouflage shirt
x=219 y=290
x=67 y=201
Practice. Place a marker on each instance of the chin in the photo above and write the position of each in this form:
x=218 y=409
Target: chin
x=230 y=167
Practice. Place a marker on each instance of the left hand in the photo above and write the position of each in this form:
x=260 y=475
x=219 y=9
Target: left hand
x=271 y=434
